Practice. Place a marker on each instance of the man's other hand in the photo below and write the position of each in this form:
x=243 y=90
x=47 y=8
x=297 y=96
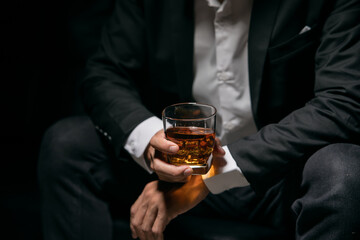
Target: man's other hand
x=160 y=202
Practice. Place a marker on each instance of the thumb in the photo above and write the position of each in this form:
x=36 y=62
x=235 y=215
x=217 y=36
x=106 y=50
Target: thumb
x=172 y=170
x=159 y=142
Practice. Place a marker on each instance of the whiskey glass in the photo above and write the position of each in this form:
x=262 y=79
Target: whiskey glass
x=192 y=127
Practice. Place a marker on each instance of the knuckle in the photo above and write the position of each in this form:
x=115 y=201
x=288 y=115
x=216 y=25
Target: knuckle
x=152 y=203
x=146 y=195
x=135 y=224
x=132 y=211
x=174 y=174
x=156 y=230
x=145 y=229
x=143 y=207
x=155 y=165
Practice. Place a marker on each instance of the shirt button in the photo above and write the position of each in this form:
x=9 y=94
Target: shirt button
x=229 y=126
x=222 y=76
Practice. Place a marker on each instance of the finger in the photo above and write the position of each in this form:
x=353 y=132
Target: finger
x=133 y=211
x=137 y=213
x=218 y=162
x=133 y=231
x=218 y=150
x=168 y=179
x=159 y=236
x=171 y=172
x=148 y=222
x=149 y=155
x=160 y=224
x=159 y=142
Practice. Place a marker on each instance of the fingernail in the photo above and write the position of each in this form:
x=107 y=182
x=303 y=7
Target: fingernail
x=188 y=172
x=173 y=149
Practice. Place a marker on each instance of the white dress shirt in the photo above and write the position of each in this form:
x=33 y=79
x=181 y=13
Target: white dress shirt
x=221 y=79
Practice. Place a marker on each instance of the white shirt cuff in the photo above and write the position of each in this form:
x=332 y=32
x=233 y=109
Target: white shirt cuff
x=140 y=138
x=226 y=176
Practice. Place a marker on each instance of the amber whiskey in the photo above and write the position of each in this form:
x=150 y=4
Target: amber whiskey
x=195 y=145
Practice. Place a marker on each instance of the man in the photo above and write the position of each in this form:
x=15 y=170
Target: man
x=284 y=77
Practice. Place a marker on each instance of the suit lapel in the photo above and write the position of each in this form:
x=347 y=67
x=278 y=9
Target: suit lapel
x=182 y=20
x=262 y=21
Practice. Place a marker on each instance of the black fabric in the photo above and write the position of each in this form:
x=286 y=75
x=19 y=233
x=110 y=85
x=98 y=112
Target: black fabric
x=329 y=198
x=201 y=228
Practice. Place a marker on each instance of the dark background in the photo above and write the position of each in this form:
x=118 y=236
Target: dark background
x=44 y=46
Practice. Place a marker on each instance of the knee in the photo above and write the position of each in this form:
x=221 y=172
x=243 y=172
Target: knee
x=335 y=167
x=59 y=144
x=67 y=134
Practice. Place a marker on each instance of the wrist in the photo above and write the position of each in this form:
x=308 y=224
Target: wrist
x=200 y=185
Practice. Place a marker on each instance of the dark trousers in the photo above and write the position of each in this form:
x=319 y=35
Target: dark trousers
x=83 y=187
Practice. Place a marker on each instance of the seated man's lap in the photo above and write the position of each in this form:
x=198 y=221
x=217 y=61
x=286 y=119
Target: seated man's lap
x=72 y=145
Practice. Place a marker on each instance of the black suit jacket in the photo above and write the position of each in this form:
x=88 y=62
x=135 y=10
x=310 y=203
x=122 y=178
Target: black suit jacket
x=305 y=88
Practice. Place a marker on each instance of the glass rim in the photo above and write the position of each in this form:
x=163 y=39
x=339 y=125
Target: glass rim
x=189 y=119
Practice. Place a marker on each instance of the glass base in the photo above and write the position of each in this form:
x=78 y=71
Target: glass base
x=201 y=170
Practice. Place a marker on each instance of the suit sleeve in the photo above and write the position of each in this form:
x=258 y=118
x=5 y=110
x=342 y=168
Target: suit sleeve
x=332 y=116
x=110 y=88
